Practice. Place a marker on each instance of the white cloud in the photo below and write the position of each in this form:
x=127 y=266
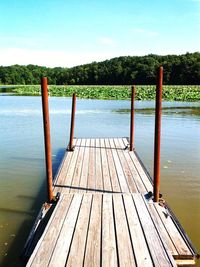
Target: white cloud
x=21 y=41
x=61 y=58
x=50 y=58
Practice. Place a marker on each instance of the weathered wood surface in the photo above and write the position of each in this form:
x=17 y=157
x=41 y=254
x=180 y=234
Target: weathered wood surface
x=104 y=218
x=101 y=165
x=94 y=230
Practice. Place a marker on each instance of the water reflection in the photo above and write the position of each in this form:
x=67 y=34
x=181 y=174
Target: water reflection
x=180 y=111
x=6 y=90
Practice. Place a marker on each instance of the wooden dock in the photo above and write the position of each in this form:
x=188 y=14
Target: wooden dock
x=105 y=215
x=103 y=207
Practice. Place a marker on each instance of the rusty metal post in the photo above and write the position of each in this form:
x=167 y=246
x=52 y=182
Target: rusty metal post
x=132 y=119
x=47 y=139
x=157 y=134
x=71 y=148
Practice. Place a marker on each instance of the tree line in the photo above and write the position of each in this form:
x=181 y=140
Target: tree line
x=178 y=69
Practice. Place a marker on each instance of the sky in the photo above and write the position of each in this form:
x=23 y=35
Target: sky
x=67 y=33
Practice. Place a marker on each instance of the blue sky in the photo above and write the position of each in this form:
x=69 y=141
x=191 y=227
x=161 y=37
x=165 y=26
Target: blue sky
x=73 y=32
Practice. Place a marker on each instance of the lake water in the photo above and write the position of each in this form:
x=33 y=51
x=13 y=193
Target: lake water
x=22 y=168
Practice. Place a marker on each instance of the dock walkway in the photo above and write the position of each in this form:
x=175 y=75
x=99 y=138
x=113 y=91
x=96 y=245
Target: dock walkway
x=101 y=165
x=105 y=215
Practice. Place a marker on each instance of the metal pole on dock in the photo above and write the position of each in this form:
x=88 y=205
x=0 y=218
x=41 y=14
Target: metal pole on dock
x=47 y=139
x=132 y=119
x=70 y=148
x=157 y=134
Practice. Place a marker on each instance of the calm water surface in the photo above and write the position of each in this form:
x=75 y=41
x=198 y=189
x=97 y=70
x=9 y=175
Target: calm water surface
x=22 y=169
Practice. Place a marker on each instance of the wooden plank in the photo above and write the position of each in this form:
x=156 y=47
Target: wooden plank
x=60 y=179
x=139 y=183
x=98 y=163
x=140 y=169
x=161 y=228
x=105 y=168
x=37 y=247
x=69 y=176
x=61 y=251
x=63 y=169
x=78 y=168
x=112 y=169
x=172 y=230
x=91 y=185
x=84 y=174
x=185 y=262
x=93 y=247
x=124 y=246
x=141 y=172
x=129 y=178
x=45 y=246
x=76 y=254
x=117 y=145
x=159 y=252
x=120 y=173
x=142 y=255
x=109 y=250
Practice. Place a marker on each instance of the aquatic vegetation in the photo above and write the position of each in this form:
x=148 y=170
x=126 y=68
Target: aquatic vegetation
x=143 y=92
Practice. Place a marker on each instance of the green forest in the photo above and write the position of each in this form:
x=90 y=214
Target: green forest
x=126 y=70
